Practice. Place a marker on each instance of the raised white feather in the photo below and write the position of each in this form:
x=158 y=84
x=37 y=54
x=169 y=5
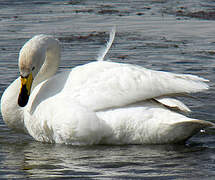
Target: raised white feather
x=102 y=53
x=99 y=102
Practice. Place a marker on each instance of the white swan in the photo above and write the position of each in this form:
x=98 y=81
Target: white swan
x=97 y=103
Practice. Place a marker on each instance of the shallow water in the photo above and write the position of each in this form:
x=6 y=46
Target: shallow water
x=169 y=35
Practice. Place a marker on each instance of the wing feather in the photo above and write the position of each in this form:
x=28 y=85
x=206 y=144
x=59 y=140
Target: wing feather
x=108 y=84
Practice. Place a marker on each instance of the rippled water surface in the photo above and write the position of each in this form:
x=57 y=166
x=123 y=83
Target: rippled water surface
x=169 y=35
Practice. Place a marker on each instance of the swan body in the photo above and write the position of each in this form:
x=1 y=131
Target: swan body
x=100 y=102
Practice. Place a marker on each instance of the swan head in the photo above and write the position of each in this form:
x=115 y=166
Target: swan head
x=31 y=58
x=38 y=60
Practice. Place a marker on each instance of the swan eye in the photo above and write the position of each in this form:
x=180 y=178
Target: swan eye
x=33 y=68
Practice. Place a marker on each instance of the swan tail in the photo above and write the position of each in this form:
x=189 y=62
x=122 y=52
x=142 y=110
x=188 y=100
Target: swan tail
x=104 y=50
x=181 y=131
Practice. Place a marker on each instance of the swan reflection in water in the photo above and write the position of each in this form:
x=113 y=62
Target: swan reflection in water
x=41 y=160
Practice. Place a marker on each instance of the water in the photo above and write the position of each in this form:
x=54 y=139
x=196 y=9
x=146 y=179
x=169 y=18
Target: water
x=169 y=35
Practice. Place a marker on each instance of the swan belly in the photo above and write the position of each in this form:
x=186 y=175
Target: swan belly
x=148 y=123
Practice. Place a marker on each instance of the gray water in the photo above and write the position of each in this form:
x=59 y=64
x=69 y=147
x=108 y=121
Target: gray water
x=169 y=35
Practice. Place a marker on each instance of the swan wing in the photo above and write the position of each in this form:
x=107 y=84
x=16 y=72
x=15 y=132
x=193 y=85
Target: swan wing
x=100 y=85
x=173 y=104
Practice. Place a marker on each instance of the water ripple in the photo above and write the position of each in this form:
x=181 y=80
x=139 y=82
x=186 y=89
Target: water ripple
x=175 y=36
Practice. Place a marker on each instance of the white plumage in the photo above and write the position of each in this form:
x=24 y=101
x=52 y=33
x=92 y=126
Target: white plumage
x=100 y=102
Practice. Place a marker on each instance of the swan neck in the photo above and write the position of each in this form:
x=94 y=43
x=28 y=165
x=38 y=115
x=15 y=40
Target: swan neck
x=12 y=114
x=50 y=63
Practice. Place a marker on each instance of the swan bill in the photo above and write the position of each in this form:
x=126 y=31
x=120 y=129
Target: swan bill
x=25 y=90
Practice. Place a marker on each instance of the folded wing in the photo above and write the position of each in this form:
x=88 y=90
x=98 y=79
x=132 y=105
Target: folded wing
x=101 y=85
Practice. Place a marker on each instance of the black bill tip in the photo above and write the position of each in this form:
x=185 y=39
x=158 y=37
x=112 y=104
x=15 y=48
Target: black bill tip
x=23 y=96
